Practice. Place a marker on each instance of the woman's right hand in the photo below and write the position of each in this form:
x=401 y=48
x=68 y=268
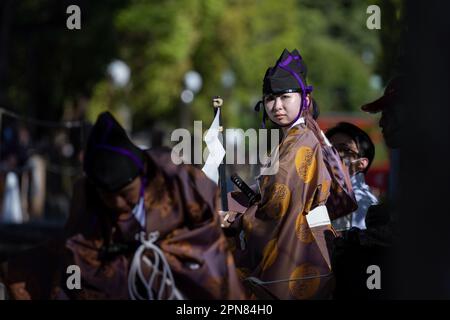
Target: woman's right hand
x=227 y=218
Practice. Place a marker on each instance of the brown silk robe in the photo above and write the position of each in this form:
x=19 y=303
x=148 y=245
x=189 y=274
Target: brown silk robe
x=272 y=239
x=342 y=200
x=181 y=204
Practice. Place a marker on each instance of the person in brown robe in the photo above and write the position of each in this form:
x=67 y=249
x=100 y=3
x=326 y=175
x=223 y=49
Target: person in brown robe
x=280 y=243
x=132 y=201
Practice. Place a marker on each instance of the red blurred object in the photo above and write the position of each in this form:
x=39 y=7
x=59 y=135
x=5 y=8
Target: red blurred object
x=378 y=178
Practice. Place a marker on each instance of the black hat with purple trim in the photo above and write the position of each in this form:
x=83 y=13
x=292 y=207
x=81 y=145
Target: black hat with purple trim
x=111 y=160
x=288 y=75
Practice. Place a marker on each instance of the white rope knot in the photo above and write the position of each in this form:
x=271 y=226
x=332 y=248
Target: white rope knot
x=162 y=278
x=149 y=240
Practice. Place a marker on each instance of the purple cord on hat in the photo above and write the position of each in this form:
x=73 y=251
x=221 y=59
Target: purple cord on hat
x=123 y=152
x=305 y=89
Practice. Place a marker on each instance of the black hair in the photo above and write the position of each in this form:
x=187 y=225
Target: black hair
x=365 y=145
x=315 y=109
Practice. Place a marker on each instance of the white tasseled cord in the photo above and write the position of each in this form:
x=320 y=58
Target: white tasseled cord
x=167 y=283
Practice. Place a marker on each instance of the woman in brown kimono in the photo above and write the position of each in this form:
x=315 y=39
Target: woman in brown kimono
x=280 y=243
x=140 y=227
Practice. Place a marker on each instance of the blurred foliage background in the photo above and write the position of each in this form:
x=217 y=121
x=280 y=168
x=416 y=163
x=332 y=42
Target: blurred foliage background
x=50 y=72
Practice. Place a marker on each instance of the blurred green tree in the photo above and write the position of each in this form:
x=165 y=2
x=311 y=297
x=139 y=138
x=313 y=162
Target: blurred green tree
x=49 y=65
x=162 y=41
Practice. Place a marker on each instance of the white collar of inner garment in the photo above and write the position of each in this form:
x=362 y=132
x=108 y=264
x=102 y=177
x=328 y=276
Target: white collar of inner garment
x=299 y=121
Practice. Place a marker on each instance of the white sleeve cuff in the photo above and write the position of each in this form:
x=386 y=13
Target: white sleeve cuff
x=318 y=217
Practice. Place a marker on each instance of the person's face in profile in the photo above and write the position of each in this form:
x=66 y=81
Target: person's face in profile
x=349 y=153
x=282 y=108
x=124 y=200
x=390 y=124
x=347 y=149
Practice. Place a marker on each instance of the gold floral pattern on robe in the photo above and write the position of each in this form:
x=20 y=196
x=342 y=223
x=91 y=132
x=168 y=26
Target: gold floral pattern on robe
x=280 y=245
